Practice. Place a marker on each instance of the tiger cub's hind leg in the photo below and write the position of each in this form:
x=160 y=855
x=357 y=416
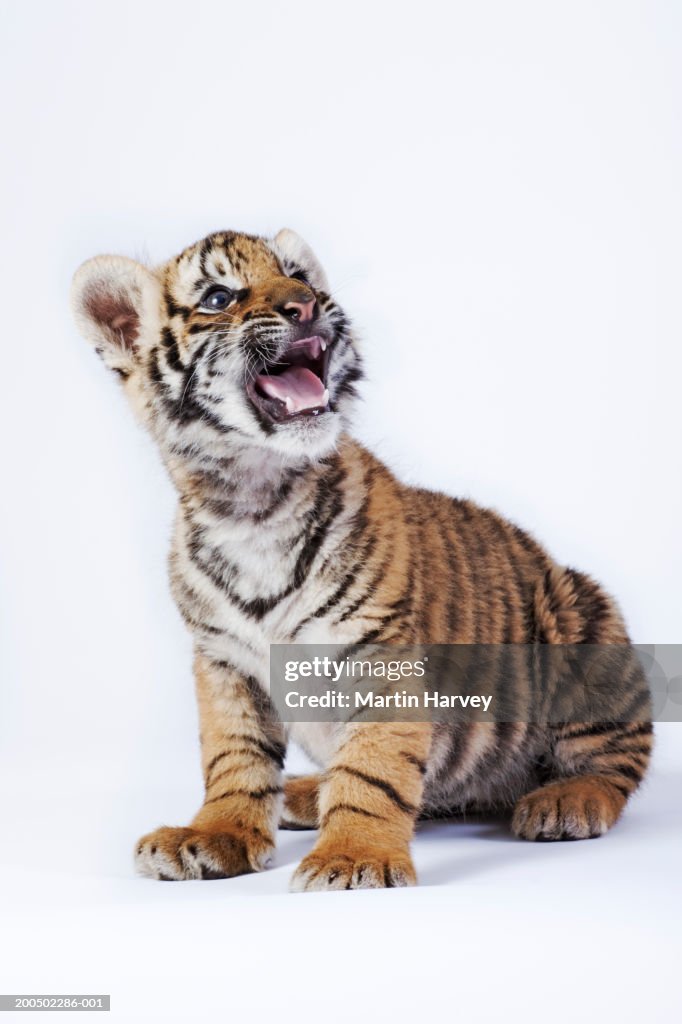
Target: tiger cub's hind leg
x=301 y=807
x=599 y=767
x=594 y=766
x=577 y=808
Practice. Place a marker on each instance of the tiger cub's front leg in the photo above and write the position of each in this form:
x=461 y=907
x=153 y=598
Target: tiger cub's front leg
x=369 y=800
x=242 y=752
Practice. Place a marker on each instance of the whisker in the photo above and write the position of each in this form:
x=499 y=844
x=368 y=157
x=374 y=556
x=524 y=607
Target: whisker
x=184 y=393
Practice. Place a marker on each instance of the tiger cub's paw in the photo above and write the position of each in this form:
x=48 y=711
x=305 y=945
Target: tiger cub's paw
x=577 y=808
x=327 y=868
x=176 y=854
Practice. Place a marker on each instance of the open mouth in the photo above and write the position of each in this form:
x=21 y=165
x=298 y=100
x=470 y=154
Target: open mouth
x=296 y=384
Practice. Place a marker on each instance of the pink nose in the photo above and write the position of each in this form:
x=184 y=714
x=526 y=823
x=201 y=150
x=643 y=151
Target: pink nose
x=301 y=311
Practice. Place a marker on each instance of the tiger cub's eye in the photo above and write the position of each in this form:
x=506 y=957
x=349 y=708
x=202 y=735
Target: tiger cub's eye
x=216 y=299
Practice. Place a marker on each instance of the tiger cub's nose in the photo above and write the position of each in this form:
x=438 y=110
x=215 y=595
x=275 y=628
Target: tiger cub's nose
x=301 y=312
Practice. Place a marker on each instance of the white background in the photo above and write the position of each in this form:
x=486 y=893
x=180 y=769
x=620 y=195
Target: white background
x=494 y=189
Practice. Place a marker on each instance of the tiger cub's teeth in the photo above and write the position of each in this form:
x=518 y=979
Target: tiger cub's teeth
x=324 y=345
x=325 y=397
x=289 y=402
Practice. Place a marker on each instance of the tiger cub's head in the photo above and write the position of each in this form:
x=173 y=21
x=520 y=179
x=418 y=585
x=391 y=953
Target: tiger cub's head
x=237 y=337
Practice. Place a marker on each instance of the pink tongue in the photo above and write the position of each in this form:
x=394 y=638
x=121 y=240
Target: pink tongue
x=298 y=387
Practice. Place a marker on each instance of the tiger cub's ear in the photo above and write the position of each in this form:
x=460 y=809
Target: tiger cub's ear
x=296 y=255
x=115 y=301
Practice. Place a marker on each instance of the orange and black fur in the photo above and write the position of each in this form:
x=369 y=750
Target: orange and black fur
x=244 y=368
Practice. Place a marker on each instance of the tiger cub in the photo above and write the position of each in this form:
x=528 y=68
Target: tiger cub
x=244 y=368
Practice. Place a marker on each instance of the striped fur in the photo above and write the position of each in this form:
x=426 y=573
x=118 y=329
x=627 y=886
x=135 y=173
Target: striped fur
x=289 y=530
